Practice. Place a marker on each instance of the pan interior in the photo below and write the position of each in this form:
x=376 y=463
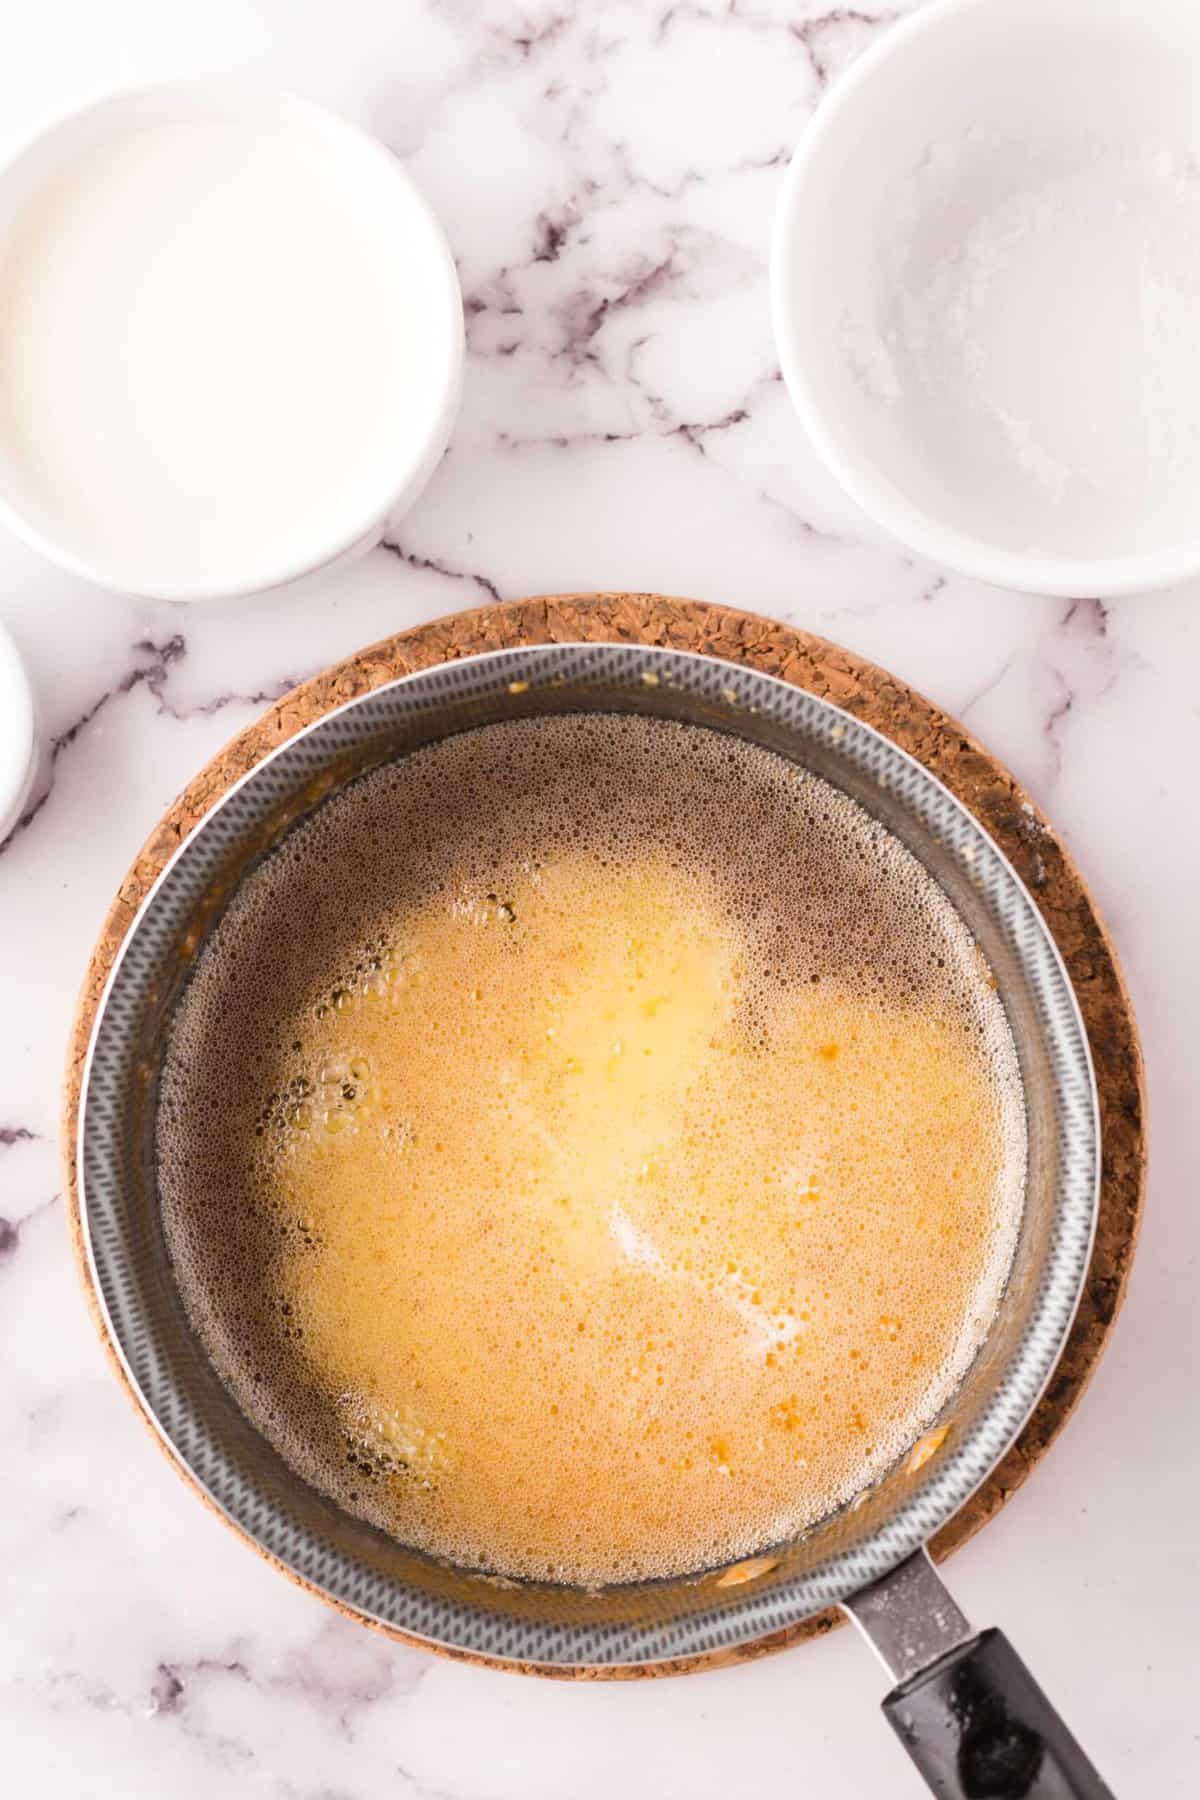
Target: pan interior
x=546 y=1621
x=591 y=1148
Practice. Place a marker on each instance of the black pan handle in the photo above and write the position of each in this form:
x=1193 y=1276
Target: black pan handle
x=979 y=1727
x=967 y=1710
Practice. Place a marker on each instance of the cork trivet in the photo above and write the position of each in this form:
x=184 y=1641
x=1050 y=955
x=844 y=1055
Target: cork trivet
x=910 y=721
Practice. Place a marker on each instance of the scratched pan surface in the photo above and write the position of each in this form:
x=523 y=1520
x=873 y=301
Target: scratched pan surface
x=361 y=1569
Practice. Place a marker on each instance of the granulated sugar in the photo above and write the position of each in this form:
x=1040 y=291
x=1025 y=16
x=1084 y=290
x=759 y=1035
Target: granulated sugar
x=1034 y=338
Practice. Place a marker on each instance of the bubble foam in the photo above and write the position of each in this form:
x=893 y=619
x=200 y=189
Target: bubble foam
x=591 y=1148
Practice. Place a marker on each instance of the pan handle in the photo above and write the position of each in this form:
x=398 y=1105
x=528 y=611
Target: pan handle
x=965 y=1707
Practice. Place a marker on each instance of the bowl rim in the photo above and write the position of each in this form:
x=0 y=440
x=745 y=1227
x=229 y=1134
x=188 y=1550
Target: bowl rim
x=872 y=492
x=912 y=1523
x=267 y=101
x=16 y=695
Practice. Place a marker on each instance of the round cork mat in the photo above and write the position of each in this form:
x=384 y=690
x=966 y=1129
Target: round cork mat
x=978 y=780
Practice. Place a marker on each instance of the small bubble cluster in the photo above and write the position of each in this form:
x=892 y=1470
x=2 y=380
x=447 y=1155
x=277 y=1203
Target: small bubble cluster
x=591 y=1149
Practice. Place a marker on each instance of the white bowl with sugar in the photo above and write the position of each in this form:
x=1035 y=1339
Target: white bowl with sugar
x=986 y=289
x=231 y=340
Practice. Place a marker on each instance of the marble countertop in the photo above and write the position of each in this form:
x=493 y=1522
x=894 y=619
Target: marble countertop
x=607 y=175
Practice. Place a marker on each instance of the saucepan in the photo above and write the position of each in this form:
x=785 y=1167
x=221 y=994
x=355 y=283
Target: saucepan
x=966 y=1709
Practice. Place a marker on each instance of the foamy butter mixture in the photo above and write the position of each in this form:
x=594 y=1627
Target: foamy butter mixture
x=591 y=1149
x=211 y=352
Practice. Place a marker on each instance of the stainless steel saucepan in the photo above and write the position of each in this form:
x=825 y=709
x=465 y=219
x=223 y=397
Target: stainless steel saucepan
x=964 y=1706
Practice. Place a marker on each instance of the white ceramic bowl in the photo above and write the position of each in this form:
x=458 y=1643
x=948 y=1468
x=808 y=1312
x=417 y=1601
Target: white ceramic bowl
x=364 y=186
x=18 y=736
x=1113 y=78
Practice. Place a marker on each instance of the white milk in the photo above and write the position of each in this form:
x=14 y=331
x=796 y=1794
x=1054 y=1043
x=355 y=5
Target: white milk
x=215 y=364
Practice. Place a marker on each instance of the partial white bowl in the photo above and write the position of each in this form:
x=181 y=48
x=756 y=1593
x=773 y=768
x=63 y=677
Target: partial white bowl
x=1056 y=81
x=18 y=736
x=384 y=206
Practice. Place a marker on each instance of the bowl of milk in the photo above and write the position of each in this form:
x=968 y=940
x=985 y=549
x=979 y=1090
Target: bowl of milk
x=231 y=340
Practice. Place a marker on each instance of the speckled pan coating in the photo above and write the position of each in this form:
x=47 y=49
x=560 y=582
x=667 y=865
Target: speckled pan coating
x=915 y=726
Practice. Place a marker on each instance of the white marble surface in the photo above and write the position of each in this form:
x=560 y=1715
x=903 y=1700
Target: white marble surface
x=607 y=176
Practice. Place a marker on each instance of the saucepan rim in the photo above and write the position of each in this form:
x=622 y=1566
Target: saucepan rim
x=752 y=1612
